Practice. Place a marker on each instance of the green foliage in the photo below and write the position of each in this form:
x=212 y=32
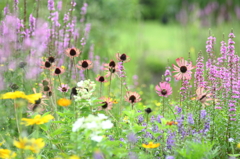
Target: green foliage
x=197 y=150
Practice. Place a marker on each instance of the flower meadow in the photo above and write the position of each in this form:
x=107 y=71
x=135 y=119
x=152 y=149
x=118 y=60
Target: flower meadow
x=61 y=101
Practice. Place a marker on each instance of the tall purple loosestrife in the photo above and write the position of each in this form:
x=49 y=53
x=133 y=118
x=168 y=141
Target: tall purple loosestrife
x=199 y=74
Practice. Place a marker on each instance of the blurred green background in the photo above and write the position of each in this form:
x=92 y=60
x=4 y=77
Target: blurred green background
x=153 y=32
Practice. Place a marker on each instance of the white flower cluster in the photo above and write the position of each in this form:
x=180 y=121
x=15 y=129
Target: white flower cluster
x=85 y=89
x=94 y=124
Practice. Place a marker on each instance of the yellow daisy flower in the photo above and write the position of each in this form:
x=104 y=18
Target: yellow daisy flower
x=36 y=145
x=33 y=97
x=22 y=143
x=238 y=145
x=18 y=94
x=74 y=157
x=64 y=102
x=37 y=120
x=151 y=145
x=5 y=153
x=13 y=95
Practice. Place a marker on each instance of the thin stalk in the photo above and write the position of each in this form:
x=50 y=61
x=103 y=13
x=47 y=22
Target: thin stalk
x=75 y=69
x=120 y=107
x=59 y=80
x=163 y=106
x=17 y=118
x=110 y=84
x=100 y=91
x=25 y=13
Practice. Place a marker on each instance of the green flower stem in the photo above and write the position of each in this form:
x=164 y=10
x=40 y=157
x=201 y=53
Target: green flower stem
x=17 y=118
x=163 y=106
x=100 y=92
x=59 y=80
x=110 y=84
x=75 y=69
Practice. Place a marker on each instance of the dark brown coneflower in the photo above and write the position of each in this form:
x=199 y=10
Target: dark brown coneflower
x=22 y=64
x=148 y=110
x=85 y=65
x=14 y=86
x=101 y=79
x=51 y=59
x=46 y=65
x=72 y=52
x=45 y=82
x=58 y=71
x=112 y=64
x=106 y=104
x=122 y=57
x=132 y=98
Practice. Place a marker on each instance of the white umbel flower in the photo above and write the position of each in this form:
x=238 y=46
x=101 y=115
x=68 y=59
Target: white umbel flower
x=78 y=124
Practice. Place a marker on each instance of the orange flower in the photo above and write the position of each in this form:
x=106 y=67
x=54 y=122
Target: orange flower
x=64 y=102
x=170 y=123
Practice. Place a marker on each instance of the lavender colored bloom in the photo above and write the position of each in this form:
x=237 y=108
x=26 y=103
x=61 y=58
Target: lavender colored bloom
x=84 y=9
x=132 y=138
x=199 y=78
x=59 y=5
x=232 y=110
x=140 y=119
x=206 y=126
x=203 y=114
x=6 y=10
x=122 y=139
x=98 y=155
x=51 y=5
x=170 y=140
x=159 y=119
x=110 y=137
x=190 y=119
x=82 y=76
x=167 y=73
x=155 y=128
x=32 y=22
x=133 y=155
x=170 y=157
x=148 y=135
x=144 y=124
x=152 y=119
x=179 y=110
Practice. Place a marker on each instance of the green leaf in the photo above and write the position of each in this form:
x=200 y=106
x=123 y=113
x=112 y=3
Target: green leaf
x=43 y=127
x=57 y=132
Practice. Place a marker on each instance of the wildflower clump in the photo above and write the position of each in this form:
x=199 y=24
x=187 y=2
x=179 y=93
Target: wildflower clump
x=37 y=120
